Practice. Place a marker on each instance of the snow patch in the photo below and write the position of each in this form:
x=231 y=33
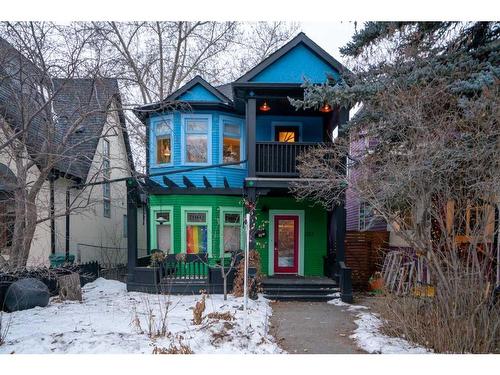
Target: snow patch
x=112 y=320
x=368 y=336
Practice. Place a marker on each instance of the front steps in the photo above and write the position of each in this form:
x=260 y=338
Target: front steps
x=296 y=288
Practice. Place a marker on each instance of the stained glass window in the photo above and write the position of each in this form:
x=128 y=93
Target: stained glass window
x=196 y=233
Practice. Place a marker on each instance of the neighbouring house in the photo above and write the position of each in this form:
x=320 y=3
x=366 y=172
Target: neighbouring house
x=94 y=226
x=238 y=143
x=369 y=237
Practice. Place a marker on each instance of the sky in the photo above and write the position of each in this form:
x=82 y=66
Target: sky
x=330 y=35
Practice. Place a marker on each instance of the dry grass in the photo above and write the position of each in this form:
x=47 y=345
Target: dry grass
x=465 y=321
x=198 y=311
x=173 y=349
x=221 y=316
x=4 y=329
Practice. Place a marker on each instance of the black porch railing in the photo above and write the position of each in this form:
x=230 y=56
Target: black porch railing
x=279 y=158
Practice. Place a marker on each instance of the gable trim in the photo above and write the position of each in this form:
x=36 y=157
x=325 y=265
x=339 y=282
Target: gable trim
x=271 y=59
x=197 y=81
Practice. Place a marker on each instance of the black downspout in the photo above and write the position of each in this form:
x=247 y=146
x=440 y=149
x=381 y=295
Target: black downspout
x=340 y=210
x=67 y=222
x=52 y=219
x=344 y=273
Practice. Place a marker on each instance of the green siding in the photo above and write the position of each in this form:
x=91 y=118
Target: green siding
x=179 y=201
x=315 y=231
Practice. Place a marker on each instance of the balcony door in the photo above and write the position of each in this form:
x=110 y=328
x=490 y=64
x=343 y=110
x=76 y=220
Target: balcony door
x=286 y=244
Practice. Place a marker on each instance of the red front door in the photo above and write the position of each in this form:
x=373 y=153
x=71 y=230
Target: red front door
x=286 y=244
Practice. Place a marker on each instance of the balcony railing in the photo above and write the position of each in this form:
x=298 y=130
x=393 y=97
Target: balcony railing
x=279 y=159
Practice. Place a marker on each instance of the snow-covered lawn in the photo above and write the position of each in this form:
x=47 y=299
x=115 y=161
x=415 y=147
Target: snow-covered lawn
x=111 y=320
x=368 y=336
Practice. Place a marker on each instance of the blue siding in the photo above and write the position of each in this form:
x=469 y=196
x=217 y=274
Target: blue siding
x=234 y=175
x=311 y=127
x=199 y=93
x=295 y=65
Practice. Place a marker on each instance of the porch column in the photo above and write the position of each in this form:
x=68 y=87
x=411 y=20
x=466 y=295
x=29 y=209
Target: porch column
x=251 y=122
x=340 y=211
x=131 y=228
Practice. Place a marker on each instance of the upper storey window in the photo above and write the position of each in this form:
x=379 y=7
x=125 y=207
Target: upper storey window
x=163 y=134
x=196 y=137
x=231 y=129
x=231 y=148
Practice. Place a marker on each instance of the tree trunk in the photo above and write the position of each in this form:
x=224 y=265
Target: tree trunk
x=225 y=286
x=69 y=287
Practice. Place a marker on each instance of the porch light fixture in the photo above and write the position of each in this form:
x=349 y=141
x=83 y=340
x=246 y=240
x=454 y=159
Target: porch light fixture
x=265 y=107
x=161 y=220
x=326 y=108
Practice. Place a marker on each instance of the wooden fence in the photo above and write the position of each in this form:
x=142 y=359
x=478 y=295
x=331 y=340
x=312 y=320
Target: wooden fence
x=364 y=254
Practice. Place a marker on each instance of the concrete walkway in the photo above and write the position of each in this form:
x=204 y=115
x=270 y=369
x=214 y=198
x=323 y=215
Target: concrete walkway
x=313 y=327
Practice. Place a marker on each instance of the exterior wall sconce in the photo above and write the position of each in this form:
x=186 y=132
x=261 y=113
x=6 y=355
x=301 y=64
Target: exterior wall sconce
x=265 y=107
x=326 y=108
x=161 y=220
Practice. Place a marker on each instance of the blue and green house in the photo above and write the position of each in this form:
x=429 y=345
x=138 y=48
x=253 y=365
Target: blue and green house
x=218 y=147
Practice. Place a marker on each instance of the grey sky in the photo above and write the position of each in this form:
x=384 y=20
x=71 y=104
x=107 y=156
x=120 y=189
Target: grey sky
x=330 y=35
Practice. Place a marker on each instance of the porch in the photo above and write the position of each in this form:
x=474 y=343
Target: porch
x=300 y=288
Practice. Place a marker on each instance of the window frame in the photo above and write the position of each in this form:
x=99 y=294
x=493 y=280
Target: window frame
x=229 y=210
x=106 y=148
x=184 y=211
x=483 y=211
x=153 y=224
x=154 y=136
x=275 y=125
x=365 y=227
x=184 y=133
x=235 y=121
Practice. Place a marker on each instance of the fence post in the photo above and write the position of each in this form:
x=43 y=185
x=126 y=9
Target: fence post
x=345 y=283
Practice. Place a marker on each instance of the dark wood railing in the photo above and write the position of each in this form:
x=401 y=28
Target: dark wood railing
x=279 y=158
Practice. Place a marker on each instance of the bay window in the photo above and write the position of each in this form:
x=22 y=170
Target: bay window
x=231 y=141
x=196 y=139
x=163 y=134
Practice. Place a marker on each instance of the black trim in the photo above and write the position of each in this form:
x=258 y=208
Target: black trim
x=187 y=182
x=159 y=190
x=168 y=182
x=207 y=183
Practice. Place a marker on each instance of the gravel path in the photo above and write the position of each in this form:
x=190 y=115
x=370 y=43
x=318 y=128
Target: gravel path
x=313 y=327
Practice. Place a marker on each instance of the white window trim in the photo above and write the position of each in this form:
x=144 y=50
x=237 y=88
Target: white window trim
x=154 y=239
x=152 y=136
x=276 y=124
x=225 y=210
x=184 y=211
x=183 y=137
x=241 y=122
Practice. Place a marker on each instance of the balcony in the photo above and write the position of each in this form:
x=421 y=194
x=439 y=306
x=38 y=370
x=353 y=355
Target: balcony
x=279 y=159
